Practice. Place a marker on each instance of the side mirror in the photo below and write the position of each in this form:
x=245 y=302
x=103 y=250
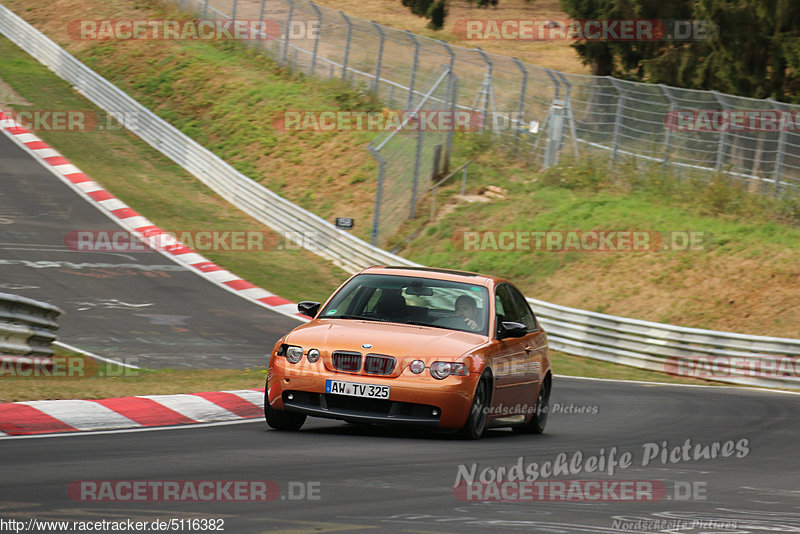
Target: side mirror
x=308 y=307
x=511 y=329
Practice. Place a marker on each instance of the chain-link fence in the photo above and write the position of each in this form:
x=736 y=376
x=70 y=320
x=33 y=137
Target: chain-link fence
x=411 y=155
x=539 y=112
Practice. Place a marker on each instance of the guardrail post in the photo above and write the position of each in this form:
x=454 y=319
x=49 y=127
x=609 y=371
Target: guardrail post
x=288 y=36
x=377 y=80
x=319 y=32
x=347 y=44
x=413 y=38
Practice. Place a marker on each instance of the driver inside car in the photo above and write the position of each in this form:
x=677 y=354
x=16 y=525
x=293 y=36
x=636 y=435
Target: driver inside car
x=467 y=310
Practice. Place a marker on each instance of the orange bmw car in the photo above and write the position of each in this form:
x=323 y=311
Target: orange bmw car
x=428 y=347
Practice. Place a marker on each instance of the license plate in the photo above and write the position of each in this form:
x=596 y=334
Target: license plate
x=354 y=389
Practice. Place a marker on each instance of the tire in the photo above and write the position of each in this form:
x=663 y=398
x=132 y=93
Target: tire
x=539 y=419
x=281 y=420
x=476 y=421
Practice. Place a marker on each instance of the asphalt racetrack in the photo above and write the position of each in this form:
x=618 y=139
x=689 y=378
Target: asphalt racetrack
x=138 y=307
x=377 y=479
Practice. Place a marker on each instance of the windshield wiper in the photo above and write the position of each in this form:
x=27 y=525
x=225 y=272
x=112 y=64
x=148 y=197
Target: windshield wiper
x=350 y=317
x=420 y=323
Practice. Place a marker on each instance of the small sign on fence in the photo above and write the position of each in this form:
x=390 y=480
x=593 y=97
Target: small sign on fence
x=344 y=223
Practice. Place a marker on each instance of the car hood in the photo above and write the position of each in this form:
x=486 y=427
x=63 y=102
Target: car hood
x=392 y=339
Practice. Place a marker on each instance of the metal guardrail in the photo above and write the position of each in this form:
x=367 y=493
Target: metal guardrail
x=632 y=342
x=27 y=327
x=677 y=350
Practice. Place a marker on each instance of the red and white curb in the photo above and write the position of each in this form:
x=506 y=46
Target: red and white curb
x=132 y=221
x=58 y=416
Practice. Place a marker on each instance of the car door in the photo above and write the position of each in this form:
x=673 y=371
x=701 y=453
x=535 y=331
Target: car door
x=514 y=359
x=534 y=346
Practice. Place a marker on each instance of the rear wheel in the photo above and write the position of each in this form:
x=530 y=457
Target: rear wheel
x=476 y=422
x=539 y=420
x=280 y=419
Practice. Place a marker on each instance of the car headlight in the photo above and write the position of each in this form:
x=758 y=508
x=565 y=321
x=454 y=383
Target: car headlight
x=417 y=366
x=441 y=370
x=293 y=353
x=312 y=355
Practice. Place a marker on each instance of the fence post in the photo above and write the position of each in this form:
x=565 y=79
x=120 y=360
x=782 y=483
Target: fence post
x=261 y=12
x=521 y=105
x=235 y=5
x=668 y=134
x=377 y=80
x=555 y=132
x=617 y=118
x=378 y=194
x=568 y=109
x=319 y=34
x=347 y=44
x=413 y=38
x=452 y=89
x=288 y=35
x=723 y=139
x=487 y=85
x=205 y=9
x=555 y=124
x=417 y=158
x=779 y=152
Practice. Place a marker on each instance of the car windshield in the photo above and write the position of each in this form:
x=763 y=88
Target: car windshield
x=412 y=300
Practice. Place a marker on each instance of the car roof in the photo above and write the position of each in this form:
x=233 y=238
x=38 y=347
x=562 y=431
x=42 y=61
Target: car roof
x=438 y=274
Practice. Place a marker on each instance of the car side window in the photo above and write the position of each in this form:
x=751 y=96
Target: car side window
x=504 y=305
x=524 y=313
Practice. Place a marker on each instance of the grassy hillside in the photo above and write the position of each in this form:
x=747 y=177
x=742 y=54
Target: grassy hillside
x=744 y=279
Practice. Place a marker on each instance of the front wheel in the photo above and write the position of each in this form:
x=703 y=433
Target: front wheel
x=539 y=420
x=476 y=422
x=280 y=419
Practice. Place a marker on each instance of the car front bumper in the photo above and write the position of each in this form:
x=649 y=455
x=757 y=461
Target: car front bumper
x=413 y=399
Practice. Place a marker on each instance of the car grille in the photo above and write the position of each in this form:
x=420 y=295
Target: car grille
x=355 y=408
x=347 y=361
x=377 y=364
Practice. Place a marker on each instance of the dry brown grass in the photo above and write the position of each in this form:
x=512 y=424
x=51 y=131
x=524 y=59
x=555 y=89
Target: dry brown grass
x=557 y=55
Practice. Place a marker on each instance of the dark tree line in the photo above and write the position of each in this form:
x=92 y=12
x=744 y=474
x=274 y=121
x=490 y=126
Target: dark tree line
x=754 y=50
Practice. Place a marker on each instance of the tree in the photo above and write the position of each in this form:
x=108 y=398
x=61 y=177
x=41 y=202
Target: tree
x=436 y=10
x=755 y=50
